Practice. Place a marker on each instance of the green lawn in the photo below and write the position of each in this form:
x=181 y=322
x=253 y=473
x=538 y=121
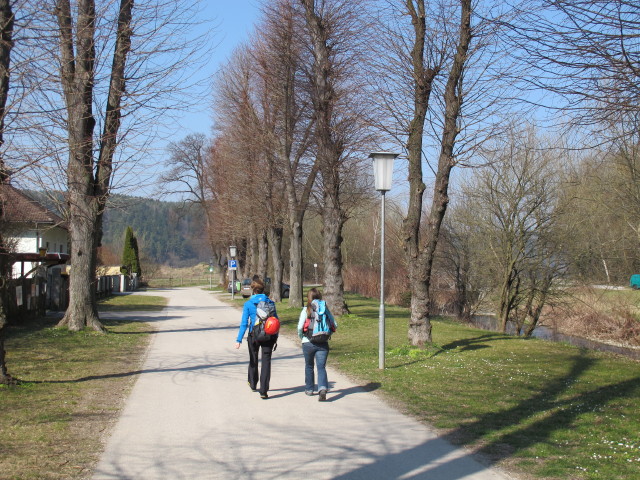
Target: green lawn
x=547 y=409
x=71 y=386
x=132 y=302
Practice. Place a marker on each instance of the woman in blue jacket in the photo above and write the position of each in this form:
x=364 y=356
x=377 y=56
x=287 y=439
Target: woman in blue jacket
x=315 y=352
x=247 y=322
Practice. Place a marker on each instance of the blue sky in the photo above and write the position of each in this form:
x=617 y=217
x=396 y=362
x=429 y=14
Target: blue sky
x=232 y=21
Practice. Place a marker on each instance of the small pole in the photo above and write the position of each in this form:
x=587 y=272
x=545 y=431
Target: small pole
x=381 y=325
x=233 y=284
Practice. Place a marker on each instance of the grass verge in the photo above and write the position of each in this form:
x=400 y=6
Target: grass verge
x=536 y=408
x=72 y=385
x=130 y=303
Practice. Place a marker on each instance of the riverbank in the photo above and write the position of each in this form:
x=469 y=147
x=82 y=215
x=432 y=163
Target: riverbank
x=548 y=333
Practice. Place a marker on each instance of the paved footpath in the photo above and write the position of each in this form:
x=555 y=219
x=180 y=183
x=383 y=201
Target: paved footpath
x=191 y=414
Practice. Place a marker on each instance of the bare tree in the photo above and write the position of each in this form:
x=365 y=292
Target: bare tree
x=88 y=178
x=512 y=210
x=101 y=89
x=335 y=31
x=189 y=175
x=440 y=98
x=289 y=134
x=600 y=197
x=6 y=44
x=239 y=122
x=585 y=52
x=429 y=47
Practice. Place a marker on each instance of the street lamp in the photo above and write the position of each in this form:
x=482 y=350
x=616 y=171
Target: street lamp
x=233 y=251
x=383 y=174
x=315 y=270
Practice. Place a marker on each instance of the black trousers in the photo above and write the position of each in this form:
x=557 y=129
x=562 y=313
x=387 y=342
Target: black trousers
x=265 y=368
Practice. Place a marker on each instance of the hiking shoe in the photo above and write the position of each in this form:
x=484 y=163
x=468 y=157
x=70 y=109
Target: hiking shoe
x=322 y=395
x=264 y=396
x=308 y=393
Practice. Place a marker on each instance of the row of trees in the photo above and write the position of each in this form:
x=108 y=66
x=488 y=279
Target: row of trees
x=85 y=80
x=299 y=107
x=450 y=84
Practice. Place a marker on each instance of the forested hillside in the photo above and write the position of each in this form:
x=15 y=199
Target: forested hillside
x=167 y=232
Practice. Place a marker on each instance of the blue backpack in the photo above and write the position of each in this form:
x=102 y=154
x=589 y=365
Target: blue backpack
x=319 y=327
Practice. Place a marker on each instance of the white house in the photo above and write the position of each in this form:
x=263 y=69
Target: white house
x=31 y=229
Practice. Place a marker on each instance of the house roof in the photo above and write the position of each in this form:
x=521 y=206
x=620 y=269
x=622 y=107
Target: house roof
x=17 y=207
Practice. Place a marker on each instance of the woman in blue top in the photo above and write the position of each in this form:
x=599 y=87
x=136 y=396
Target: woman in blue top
x=247 y=322
x=315 y=352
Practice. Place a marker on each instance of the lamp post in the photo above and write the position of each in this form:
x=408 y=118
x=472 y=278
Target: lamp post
x=383 y=174
x=232 y=253
x=315 y=270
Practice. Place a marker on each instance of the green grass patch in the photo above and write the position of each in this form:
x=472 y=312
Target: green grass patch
x=547 y=409
x=70 y=386
x=132 y=302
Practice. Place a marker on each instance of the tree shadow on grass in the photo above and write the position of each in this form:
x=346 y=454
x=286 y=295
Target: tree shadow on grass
x=180 y=330
x=177 y=369
x=426 y=460
x=475 y=343
x=562 y=413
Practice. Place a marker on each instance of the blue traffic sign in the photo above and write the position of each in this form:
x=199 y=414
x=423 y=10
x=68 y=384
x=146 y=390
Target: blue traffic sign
x=233 y=264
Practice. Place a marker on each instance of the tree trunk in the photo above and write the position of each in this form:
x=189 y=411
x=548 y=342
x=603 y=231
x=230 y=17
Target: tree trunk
x=295 y=266
x=82 y=310
x=263 y=257
x=251 y=267
x=275 y=243
x=508 y=294
x=221 y=256
x=535 y=312
x=419 y=324
x=5 y=377
x=333 y=222
x=6 y=44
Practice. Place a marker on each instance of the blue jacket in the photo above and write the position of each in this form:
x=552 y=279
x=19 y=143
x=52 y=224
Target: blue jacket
x=249 y=314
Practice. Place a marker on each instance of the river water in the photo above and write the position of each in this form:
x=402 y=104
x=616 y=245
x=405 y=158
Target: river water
x=490 y=322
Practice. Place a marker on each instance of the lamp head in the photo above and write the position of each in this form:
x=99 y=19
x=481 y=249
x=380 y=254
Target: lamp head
x=383 y=169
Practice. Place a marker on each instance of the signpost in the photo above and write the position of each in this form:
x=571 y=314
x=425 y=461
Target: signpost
x=233 y=266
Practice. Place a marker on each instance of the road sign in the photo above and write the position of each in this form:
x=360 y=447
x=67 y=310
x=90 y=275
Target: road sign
x=233 y=264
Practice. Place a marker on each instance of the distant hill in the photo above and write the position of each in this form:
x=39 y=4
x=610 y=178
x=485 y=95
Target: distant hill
x=168 y=232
